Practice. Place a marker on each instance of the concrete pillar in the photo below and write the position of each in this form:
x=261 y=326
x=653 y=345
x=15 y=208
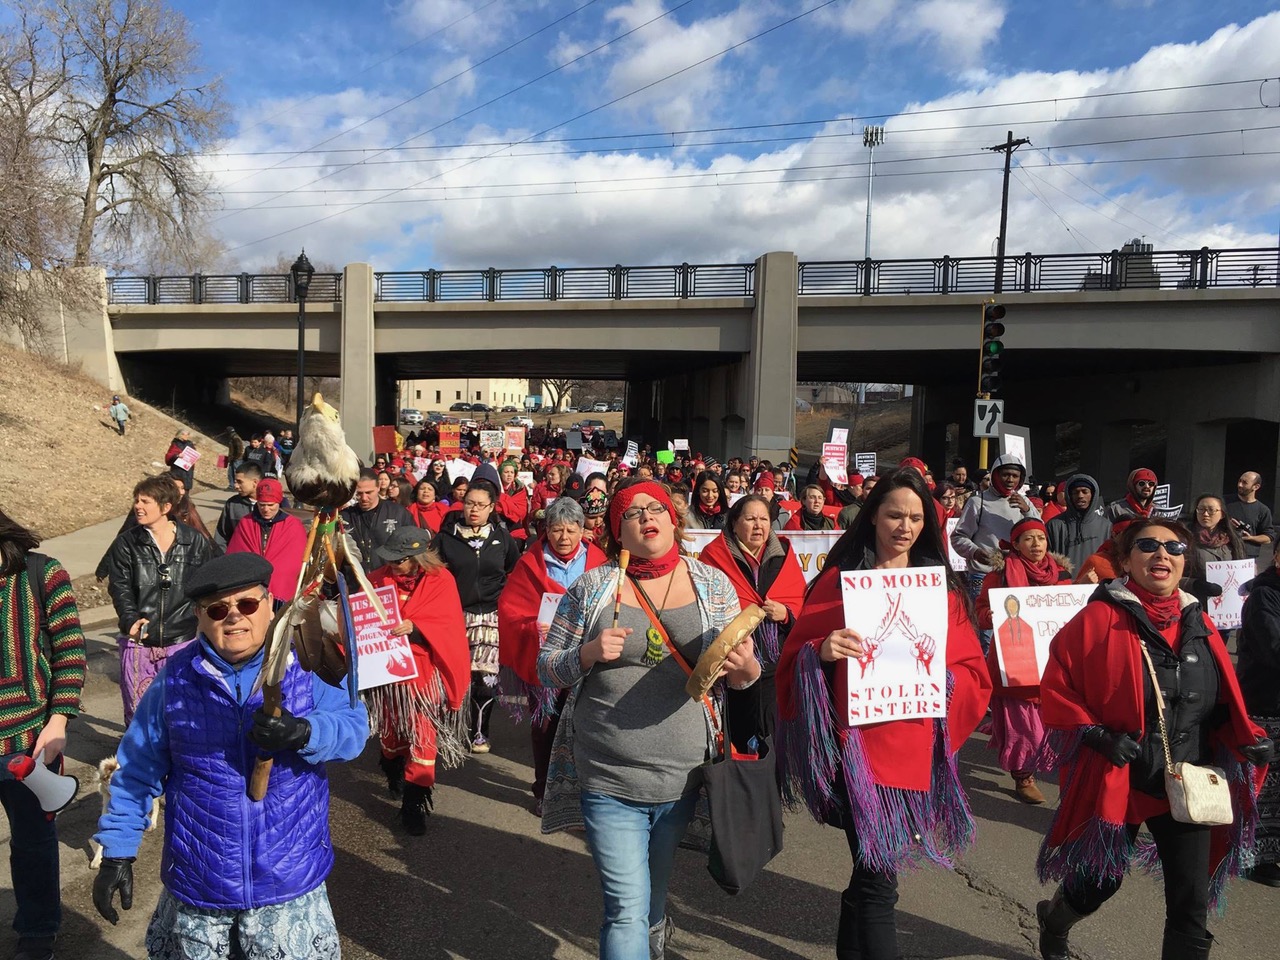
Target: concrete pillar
x=1196 y=452
x=637 y=418
x=78 y=327
x=932 y=450
x=1104 y=455
x=1044 y=451
x=919 y=414
x=771 y=409
x=222 y=392
x=356 y=365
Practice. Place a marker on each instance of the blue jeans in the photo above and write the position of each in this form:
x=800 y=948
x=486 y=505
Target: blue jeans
x=33 y=862
x=634 y=849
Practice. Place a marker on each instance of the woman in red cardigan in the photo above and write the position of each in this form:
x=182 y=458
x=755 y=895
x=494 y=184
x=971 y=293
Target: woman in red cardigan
x=893 y=787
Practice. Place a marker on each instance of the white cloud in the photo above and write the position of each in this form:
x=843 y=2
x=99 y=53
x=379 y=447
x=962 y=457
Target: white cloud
x=956 y=30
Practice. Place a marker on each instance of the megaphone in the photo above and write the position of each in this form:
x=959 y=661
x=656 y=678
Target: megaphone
x=53 y=791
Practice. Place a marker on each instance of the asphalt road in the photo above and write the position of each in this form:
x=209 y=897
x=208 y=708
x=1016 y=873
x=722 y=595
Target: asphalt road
x=483 y=884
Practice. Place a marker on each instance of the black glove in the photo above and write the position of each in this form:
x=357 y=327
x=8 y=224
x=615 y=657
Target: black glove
x=1259 y=753
x=1203 y=588
x=285 y=732
x=1119 y=748
x=116 y=873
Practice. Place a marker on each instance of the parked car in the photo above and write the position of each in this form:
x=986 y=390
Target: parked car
x=600 y=406
x=460 y=405
x=572 y=410
x=615 y=407
x=411 y=416
x=437 y=417
x=480 y=408
x=590 y=426
x=510 y=409
x=525 y=422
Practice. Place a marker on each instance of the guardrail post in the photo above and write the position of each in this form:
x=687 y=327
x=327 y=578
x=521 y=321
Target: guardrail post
x=242 y=283
x=1114 y=263
x=866 y=277
x=615 y=281
x=491 y=282
x=684 y=281
x=1202 y=280
x=433 y=284
x=946 y=274
x=1026 y=272
x=552 y=277
x=197 y=288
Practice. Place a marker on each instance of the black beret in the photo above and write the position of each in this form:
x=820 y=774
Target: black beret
x=231 y=571
x=404 y=542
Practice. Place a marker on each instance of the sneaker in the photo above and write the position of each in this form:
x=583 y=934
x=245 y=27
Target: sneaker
x=479 y=743
x=34 y=948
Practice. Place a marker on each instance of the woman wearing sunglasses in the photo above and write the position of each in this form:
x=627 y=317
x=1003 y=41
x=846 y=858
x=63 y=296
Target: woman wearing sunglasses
x=629 y=748
x=1097 y=693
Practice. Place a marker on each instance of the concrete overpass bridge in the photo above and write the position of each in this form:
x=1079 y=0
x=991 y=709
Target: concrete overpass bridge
x=1188 y=339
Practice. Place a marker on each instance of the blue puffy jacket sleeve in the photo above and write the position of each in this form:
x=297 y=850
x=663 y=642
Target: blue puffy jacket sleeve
x=144 y=761
x=338 y=730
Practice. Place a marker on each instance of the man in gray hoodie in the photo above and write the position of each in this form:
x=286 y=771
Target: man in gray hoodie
x=1082 y=527
x=989 y=517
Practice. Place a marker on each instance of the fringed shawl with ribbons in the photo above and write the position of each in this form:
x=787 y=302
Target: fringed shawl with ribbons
x=897 y=780
x=518 y=639
x=443 y=658
x=1096 y=675
x=787 y=587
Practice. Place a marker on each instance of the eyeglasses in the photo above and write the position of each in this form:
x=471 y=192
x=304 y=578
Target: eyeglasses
x=1144 y=483
x=655 y=509
x=247 y=606
x=477 y=506
x=1174 y=548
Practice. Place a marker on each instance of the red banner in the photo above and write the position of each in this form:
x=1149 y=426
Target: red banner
x=384 y=439
x=450 y=439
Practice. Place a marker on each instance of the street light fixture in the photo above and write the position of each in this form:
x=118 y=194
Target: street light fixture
x=872 y=137
x=302 y=271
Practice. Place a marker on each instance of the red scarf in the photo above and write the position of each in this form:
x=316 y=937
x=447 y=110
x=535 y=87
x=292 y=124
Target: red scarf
x=1163 y=612
x=641 y=568
x=1211 y=537
x=1021 y=572
x=787 y=588
x=710 y=511
x=1138 y=509
x=998 y=485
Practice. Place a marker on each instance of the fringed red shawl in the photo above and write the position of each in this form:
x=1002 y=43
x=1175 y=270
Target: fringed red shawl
x=435 y=610
x=787 y=588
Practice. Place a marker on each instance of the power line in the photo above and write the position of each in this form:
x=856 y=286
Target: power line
x=1074 y=233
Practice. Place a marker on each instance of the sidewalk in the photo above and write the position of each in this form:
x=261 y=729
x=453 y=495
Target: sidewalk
x=79 y=552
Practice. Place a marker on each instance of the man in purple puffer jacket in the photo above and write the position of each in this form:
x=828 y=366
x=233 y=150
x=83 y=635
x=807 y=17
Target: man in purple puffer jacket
x=240 y=878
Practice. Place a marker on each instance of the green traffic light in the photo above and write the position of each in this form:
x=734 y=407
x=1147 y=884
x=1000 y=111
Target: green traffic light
x=993 y=348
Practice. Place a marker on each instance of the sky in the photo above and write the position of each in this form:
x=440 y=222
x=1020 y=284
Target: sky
x=515 y=133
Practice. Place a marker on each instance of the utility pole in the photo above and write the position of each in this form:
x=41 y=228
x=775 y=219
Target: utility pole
x=1007 y=149
x=872 y=137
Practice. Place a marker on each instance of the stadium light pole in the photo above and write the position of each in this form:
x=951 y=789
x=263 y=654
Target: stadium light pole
x=872 y=137
x=302 y=271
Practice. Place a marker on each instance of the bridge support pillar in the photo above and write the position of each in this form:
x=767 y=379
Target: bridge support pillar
x=76 y=327
x=357 y=358
x=770 y=414
x=1194 y=462
x=1104 y=454
x=638 y=420
x=1044 y=451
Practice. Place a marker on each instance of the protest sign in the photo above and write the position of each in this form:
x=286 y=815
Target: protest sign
x=459 y=468
x=810 y=546
x=1024 y=621
x=384 y=440
x=450 y=439
x=514 y=439
x=958 y=563
x=383 y=658
x=734 y=497
x=187 y=458
x=587 y=466
x=633 y=454
x=835 y=460
x=865 y=463
x=573 y=440
x=547 y=613
x=902 y=616
x=840 y=435
x=665 y=456
x=222 y=462
x=525 y=478
x=491 y=439
x=1231 y=575
x=1166 y=513
x=1163 y=494
x=680 y=445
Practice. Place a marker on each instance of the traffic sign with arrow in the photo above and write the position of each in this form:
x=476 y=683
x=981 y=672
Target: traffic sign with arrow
x=987 y=417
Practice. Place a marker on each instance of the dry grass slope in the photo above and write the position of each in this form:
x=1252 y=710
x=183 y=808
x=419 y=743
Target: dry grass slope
x=62 y=464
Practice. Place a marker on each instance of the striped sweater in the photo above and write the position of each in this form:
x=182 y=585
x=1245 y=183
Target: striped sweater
x=33 y=686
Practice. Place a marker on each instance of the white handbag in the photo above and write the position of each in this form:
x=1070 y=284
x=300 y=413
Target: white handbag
x=1196 y=794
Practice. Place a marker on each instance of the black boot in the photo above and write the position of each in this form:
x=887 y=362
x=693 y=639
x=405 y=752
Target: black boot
x=34 y=948
x=1179 y=946
x=1056 y=919
x=393 y=767
x=415 y=808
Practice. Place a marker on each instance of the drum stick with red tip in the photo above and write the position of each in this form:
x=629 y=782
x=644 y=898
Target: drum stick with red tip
x=624 y=558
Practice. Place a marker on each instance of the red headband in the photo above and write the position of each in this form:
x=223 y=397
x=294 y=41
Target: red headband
x=1028 y=523
x=621 y=502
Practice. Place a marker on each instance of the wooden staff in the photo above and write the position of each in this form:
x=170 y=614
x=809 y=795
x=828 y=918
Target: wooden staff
x=624 y=558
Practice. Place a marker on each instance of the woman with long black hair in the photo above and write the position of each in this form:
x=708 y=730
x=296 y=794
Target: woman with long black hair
x=709 y=505
x=893 y=787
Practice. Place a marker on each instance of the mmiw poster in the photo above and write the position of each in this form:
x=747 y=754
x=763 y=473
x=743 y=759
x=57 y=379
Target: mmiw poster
x=514 y=439
x=901 y=615
x=383 y=658
x=450 y=439
x=811 y=546
x=1024 y=621
x=491 y=439
x=1225 y=610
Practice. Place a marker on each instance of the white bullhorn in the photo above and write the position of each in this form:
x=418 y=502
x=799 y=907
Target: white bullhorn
x=53 y=791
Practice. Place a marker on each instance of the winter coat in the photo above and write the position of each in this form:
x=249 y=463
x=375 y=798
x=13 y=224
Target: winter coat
x=372 y=528
x=281 y=541
x=235 y=509
x=1078 y=535
x=139 y=590
x=1259 y=646
x=987 y=519
x=481 y=574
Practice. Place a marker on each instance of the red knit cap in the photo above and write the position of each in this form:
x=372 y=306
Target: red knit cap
x=1142 y=473
x=916 y=464
x=621 y=502
x=765 y=481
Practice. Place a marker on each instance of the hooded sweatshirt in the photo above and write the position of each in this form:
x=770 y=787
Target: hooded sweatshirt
x=987 y=519
x=1077 y=534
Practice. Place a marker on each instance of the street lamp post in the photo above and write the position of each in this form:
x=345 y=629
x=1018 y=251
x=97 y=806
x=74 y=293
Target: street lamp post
x=302 y=271
x=872 y=137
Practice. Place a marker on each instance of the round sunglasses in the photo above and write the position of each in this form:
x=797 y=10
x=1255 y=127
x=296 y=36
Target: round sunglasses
x=247 y=607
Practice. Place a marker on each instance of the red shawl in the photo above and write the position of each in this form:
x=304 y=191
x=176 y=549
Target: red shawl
x=787 y=588
x=518 y=640
x=286 y=544
x=428 y=517
x=515 y=507
x=1095 y=675
x=899 y=752
x=436 y=613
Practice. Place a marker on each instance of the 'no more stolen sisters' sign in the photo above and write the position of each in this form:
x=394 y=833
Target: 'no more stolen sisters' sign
x=901 y=616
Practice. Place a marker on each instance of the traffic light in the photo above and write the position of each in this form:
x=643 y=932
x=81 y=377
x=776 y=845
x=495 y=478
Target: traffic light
x=992 y=348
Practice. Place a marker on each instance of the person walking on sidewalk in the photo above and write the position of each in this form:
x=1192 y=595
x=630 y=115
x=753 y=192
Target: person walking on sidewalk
x=240 y=877
x=43 y=652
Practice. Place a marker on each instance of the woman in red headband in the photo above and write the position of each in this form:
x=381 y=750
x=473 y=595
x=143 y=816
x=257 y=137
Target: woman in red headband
x=630 y=743
x=1017 y=730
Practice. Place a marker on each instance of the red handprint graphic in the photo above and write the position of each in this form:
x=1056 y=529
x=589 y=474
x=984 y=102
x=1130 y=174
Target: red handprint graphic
x=923 y=646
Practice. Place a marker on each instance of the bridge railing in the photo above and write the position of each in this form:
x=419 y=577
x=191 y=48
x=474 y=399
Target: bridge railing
x=1023 y=273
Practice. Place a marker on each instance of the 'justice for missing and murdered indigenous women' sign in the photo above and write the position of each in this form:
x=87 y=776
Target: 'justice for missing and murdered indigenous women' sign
x=901 y=616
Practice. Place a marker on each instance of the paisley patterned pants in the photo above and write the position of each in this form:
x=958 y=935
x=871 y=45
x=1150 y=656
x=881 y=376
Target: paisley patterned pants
x=300 y=929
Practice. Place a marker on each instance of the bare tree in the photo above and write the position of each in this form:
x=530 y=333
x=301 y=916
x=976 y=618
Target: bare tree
x=559 y=388
x=130 y=119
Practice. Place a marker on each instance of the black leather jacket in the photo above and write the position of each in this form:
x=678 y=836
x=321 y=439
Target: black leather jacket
x=146 y=585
